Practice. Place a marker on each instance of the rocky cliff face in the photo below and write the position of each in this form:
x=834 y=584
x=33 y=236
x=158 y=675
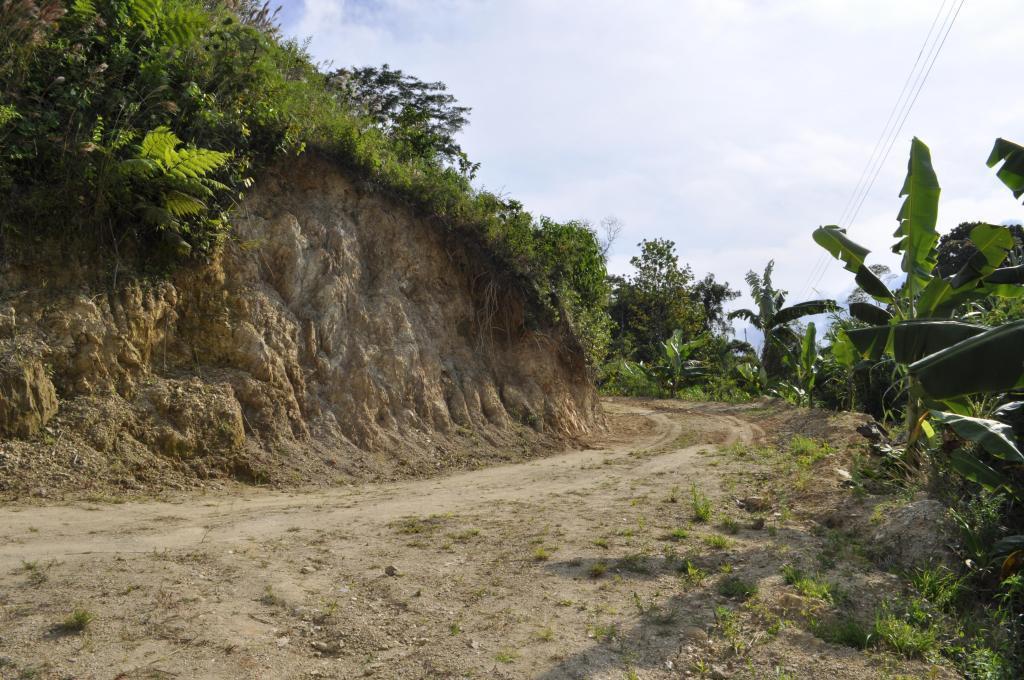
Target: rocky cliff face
x=337 y=336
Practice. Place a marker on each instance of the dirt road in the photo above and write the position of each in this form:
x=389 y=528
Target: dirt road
x=587 y=564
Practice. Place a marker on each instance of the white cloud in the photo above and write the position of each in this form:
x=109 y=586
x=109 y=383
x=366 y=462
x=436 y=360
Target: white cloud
x=733 y=127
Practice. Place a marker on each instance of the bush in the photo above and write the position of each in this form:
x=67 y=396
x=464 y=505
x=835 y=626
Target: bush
x=95 y=92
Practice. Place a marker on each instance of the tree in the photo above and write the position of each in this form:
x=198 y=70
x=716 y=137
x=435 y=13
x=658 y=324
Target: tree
x=773 y=319
x=421 y=117
x=712 y=296
x=610 y=229
x=651 y=305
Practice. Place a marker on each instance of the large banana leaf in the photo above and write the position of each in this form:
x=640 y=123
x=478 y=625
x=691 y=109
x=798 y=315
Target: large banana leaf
x=834 y=239
x=843 y=349
x=747 y=315
x=869 y=313
x=992 y=361
x=871 y=342
x=908 y=341
x=1010 y=275
x=993 y=245
x=919 y=338
x=977 y=471
x=917 y=217
x=1012 y=171
x=802 y=309
x=995 y=437
x=941 y=296
x=985 y=291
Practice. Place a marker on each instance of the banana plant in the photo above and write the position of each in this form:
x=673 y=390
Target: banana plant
x=774 y=319
x=754 y=376
x=807 y=366
x=915 y=321
x=676 y=367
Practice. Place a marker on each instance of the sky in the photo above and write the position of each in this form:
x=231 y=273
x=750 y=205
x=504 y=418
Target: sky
x=732 y=127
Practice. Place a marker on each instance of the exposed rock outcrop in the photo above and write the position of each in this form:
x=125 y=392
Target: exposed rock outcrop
x=337 y=334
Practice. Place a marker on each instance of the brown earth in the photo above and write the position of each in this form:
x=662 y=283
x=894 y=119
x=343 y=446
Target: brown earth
x=587 y=564
x=338 y=336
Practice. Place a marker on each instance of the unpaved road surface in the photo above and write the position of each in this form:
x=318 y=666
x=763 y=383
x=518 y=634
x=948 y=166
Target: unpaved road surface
x=586 y=564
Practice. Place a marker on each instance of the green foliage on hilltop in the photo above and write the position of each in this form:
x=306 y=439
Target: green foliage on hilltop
x=134 y=127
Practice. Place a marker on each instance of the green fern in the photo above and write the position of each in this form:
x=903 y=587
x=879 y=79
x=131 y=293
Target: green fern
x=177 y=174
x=146 y=13
x=7 y=114
x=84 y=8
x=184 y=25
x=183 y=205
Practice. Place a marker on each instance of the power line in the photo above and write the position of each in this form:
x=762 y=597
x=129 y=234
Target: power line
x=919 y=83
x=892 y=142
x=822 y=263
x=880 y=142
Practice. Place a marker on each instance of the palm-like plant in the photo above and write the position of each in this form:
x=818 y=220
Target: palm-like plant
x=676 y=366
x=773 y=319
x=942 y=356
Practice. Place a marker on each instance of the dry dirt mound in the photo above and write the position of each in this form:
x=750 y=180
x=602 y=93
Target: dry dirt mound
x=338 y=336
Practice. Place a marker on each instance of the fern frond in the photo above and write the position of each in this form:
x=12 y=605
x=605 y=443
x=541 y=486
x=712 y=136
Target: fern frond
x=146 y=12
x=7 y=114
x=196 y=162
x=181 y=204
x=184 y=25
x=84 y=8
x=138 y=167
x=189 y=185
x=160 y=144
x=214 y=185
x=156 y=215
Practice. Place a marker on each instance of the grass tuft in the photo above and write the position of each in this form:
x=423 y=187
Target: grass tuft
x=700 y=504
x=736 y=588
x=78 y=621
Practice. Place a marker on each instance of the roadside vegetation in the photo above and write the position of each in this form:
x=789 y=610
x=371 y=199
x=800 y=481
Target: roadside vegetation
x=130 y=130
x=938 y=360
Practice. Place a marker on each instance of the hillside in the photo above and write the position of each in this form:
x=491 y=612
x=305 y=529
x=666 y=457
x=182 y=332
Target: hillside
x=218 y=261
x=337 y=336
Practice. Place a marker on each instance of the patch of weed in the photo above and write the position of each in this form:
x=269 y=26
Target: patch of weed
x=78 y=621
x=808 y=586
x=717 y=541
x=845 y=631
x=271 y=599
x=736 y=588
x=506 y=656
x=906 y=639
x=677 y=534
x=691 y=573
x=700 y=504
x=808 y=451
x=636 y=563
x=546 y=634
x=604 y=632
x=464 y=535
x=541 y=554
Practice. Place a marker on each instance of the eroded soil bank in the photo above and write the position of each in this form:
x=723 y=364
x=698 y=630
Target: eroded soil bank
x=337 y=337
x=589 y=564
